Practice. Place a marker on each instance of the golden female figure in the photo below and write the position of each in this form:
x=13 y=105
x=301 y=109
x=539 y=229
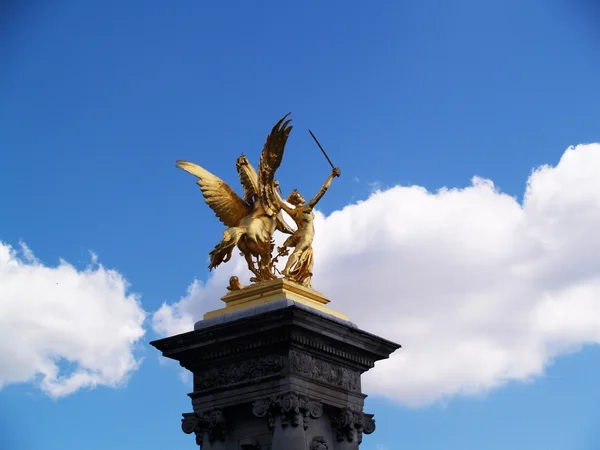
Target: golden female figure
x=300 y=263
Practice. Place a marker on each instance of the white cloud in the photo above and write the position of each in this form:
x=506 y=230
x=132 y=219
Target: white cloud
x=52 y=317
x=180 y=317
x=478 y=288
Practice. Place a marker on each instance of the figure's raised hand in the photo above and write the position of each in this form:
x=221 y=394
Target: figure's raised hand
x=336 y=172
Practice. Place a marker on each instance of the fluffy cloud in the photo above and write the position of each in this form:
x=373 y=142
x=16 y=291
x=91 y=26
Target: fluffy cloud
x=201 y=297
x=62 y=328
x=478 y=288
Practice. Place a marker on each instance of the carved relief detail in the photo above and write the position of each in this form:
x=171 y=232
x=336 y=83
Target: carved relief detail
x=318 y=443
x=212 y=423
x=237 y=372
x=331 y=349
x=292 y=409
x=320 y=370
x=368 y=423
x=231 y=350
x=350 y=425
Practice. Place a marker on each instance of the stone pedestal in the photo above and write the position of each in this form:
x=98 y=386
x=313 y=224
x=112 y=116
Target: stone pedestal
x=280 y=374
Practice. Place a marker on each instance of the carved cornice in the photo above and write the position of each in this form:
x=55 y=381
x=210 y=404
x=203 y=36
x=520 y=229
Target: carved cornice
x=300 y=338
x=212 y=423
x=233 y=349
x=320 y=370
x=294 y=325
x=238 y=372
x=331 y=349
x=292 y=408
x=351 y=424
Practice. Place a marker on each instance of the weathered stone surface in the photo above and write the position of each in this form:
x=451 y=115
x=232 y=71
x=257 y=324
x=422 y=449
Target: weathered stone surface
x=283 y=377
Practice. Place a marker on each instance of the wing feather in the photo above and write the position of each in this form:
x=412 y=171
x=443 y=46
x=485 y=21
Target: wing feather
x=248 y=178
x=227 y=205
x=270 y=160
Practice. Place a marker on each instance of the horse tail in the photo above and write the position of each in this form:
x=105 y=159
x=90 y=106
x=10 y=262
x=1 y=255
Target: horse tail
x=222 y=251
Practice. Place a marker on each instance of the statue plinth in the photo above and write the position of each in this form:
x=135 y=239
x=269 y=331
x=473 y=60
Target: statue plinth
x=272 y=291
x=277 y=369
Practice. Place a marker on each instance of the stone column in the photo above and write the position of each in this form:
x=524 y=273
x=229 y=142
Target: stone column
x=280 y=376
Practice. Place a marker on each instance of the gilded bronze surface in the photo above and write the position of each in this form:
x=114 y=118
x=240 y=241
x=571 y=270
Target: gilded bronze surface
x=300 y=263
x=253 y=219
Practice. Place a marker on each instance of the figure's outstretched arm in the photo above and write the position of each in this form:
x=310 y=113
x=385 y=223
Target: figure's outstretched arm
x=282 y=204
x=334 y=173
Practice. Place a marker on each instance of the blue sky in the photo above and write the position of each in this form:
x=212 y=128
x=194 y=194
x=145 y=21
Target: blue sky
x=495 y=299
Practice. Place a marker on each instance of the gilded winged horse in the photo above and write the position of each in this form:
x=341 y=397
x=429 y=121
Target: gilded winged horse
x=253 y=219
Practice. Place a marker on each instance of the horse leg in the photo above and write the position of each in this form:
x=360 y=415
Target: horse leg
x=248 y=257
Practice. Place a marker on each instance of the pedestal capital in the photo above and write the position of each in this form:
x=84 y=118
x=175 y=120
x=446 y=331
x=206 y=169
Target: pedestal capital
x=350 y=425
x=210 y=424
x=282 y=376
x=292 y=408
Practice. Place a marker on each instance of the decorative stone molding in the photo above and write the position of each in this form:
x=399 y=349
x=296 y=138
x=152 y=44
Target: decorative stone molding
x=311 y=409
x=300 y=338
x=262 y=408
x=289 y=360
x=331 y=349
x=189 y=422
x=318 y=443
x=211 y=423
x=326 y=372
x=237 y=372
x=293 y=409
x=368 y=423
x=350 y=425
x=231 y=350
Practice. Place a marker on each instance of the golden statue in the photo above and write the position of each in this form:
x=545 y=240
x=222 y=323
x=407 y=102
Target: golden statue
x=300 y=263
x=252 y=220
